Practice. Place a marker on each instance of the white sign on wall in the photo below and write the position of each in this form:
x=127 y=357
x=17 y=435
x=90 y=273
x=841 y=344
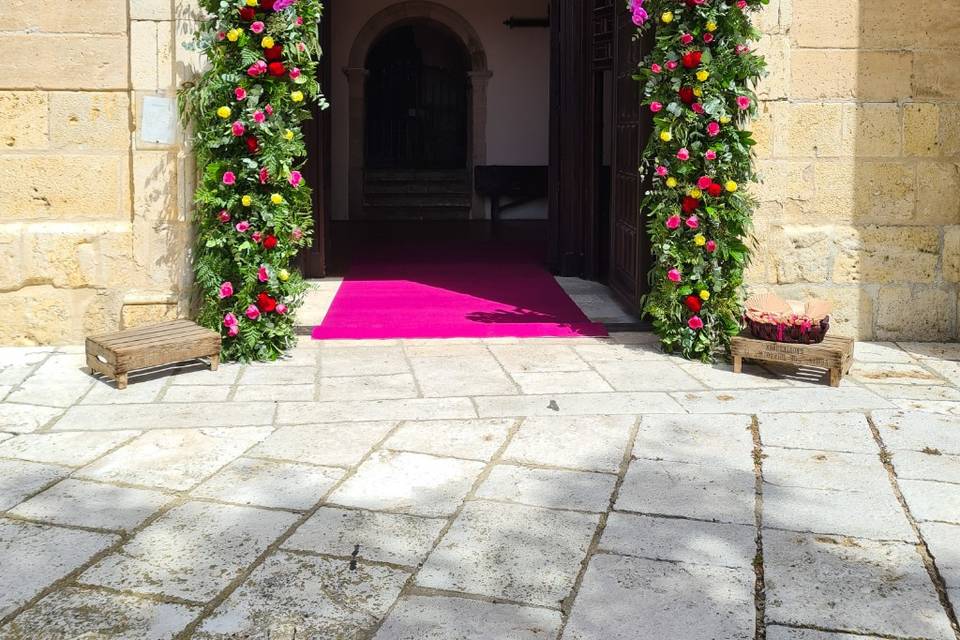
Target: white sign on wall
x=158 y=120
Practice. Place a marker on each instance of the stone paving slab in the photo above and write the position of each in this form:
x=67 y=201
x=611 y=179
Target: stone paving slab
x=625 y=598
x=174 y=459
x=91 y=504
x=894 y=373
x=173 y=556
x=444 y=618
x=20 y=479
x=832 y=470
x=378 y=537
x=375 y=410
x=68 y=449
x=410 y=483
x=689 y=490
x=589 y=443
x=932 y=501
x=822 y=432
x=305 y=597
x=721 y=376
x=561 y=382
x=25 y=418
x=34 y=556
x=795 y=400
x=657 y=376
x=943 y=540
x=551 y=488
x=280 y=374
x=393 y=387
x=715 y=440
x=931 y=465
x=335 y=444
x=468 y=439
x=680 y=540
x=576 y=404
x=141 y=391
x=515 y=552
x=916 y=431
x=88 y=613
x=451 y=376
x=164 y=416
x=775 y=632
x=277 y=393
x=852 y=585
x=209 y=393
x=50 y=393
x=269 y=483
x=363 y=361
x=538 y=358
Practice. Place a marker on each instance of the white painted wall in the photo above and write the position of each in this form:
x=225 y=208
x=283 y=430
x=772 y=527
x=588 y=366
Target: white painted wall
x=519 y=91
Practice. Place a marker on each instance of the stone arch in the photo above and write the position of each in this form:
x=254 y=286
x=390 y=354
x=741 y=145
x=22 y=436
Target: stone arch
x=356 y=72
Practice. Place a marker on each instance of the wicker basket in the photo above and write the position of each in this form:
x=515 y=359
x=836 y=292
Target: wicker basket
x=791 y=333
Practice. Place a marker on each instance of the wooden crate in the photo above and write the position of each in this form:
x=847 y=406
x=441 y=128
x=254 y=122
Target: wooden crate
x=117 y=354
x=834 y=353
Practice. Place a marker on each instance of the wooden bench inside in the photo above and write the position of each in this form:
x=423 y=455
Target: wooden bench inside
x=115 y=355
x=834 y=353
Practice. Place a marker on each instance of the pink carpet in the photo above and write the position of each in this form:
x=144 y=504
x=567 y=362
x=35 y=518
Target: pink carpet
x=484 y=291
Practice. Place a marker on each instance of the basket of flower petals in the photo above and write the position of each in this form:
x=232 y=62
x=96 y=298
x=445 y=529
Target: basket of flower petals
x=769 y=317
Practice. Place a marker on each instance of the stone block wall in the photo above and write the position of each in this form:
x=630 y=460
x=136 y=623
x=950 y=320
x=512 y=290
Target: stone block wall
x=93 y=222
x=859 y=138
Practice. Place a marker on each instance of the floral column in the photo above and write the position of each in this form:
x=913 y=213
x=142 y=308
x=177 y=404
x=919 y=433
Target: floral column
x=254 y=210
x=698 y=85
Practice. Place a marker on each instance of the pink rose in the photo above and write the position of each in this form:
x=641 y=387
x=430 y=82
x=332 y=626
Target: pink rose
x=253 y=312
x=704 y=182
x=662 y=171
x=741 y=4
x=656 y=68
x=295 y=179
x=229 y=320
x=695 y=323
x=693 y=222
x=683 y=154
x=741 y=49
x=256 y=237
x=224 y=216
x=299 y=21
x=264 y=175
x=713 y=129
x=226 y=290
x=263 y=275
x=710 y=154
x=242 y=226
x=221 y=36
x=671 y=65
x=258 y=68
x=697 y=108
x=301 y=47
x=708 y=37
x=240 y=93
x=711 y=246
x=229 y=178
x=686 y=38
x=673 y=222
x=297 y=234
x=257 y=27
x=233 y=330
x=269 y=109
x=674 y=275
x=656 y=107
x=238 y=129
x=281 y=309
x=294 y=73
x=743 y=103
x=258 y=116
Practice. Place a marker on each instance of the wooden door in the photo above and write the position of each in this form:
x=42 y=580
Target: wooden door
x=313 y=259
x=629 y=256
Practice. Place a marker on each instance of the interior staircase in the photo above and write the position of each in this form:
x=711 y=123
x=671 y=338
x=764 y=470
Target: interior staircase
x=416 y=195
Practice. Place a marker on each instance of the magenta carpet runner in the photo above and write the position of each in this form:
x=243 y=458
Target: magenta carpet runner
x=485 y=291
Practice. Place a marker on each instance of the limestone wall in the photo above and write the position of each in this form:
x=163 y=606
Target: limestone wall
x=860 y=145
x=860 y=148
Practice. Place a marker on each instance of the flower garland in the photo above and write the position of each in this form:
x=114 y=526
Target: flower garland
x=697 y=84
x=253 y=206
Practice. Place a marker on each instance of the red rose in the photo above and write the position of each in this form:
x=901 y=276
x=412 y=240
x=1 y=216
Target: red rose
x=274 y=52
x=715 y=190
x=248 y=14
x=266 y=303
x=276 y=69
x=686 y=95
x=690 y=204
x=253 y=146
x=691 y=59
x=270 y=242
x=693 y=303
x=267 y=4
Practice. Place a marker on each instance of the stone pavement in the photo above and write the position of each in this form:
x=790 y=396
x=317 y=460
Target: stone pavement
x=578 y=489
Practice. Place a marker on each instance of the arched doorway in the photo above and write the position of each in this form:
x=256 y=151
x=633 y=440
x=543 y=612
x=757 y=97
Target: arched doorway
x=417 y=79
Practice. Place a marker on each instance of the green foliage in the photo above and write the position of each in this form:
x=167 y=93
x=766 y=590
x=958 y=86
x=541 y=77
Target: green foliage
x=711 y=252
x=248 y=125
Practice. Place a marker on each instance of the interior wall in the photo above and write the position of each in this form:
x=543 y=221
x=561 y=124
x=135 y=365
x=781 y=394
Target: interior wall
x=518 y=92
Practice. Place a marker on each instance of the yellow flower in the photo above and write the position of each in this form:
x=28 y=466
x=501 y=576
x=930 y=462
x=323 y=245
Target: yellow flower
x=246 y=201
x=666 y=136
x=704 y=295
x=288 y=134
x=711 y=26
x=703 y=75
x=267 y=42
x=724 y=119
x=284 y=275
x=667 y=17
x=297 y=96
x=672 y=182
x=695 y=193
x=252 y=3
x=731 y=186
x=233 y=35
x=699 y=240
x=697 y=91
x=276 y=198
x=224 y=112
